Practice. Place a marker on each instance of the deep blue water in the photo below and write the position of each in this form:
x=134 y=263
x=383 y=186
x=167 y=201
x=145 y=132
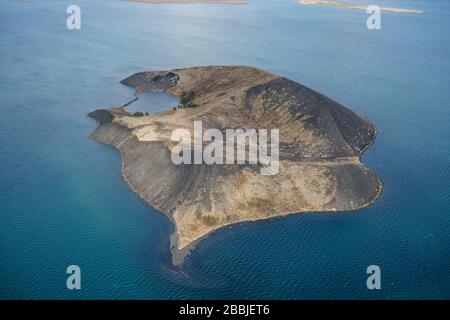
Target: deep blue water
x=63 y=201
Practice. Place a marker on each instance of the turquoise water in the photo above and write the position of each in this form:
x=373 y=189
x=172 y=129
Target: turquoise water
x=63 y=202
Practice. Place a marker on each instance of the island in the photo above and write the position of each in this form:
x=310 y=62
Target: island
x=357 y=6
x=320 y=148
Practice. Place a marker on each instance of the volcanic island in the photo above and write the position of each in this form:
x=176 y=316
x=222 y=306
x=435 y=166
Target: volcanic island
x=320 y=148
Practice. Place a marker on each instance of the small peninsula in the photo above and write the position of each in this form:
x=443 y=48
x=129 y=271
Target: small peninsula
x=321 y=143
x=357 y=6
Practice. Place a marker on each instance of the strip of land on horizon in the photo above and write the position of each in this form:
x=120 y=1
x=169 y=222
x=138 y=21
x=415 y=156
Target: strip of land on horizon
x=333 y=3
x=351 y=5
x=190 y=1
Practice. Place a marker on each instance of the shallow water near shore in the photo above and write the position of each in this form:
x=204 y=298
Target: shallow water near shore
x=63 y=200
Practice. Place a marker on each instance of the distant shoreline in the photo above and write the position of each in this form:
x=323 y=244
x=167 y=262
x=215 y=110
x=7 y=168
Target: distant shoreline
x=357 y=6
x=190 y=1
x=333 y=3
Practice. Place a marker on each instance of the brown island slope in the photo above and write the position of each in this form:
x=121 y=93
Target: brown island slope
x=321 y=143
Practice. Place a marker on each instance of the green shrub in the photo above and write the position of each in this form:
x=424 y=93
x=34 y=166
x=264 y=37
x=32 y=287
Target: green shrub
x=209 y=220
x=187 y=100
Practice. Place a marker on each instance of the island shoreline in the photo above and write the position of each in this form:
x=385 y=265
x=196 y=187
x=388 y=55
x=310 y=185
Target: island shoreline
x=180 y=253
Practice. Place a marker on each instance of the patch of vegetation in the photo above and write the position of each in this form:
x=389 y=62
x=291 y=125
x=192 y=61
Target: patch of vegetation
x=192 y=105
x=209 y=220
x=187 y=100
x=198 y=213
x=259 y=203
x=140 y=114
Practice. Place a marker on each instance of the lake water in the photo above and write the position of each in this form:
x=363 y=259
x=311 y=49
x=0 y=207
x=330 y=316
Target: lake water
x=63 y=201
x=152 y=102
